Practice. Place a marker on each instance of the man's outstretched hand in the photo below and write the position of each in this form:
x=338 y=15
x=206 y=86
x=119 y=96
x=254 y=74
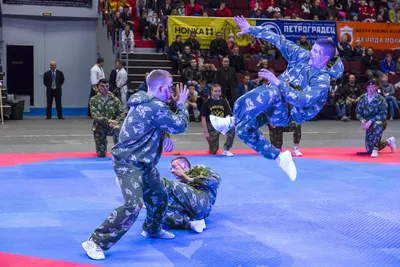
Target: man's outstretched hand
x=243 y=24
x=269 y=76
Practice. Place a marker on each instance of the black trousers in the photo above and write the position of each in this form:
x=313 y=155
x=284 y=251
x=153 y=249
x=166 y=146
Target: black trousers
x=50 y=95
x=92 y=93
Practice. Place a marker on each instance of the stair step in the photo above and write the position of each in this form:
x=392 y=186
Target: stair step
x=149 y=63
x=142 y=70
x=148 y=56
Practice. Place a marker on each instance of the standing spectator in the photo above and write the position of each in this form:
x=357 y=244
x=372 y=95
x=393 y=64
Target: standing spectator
x=388 y=93
x=219 y=47
x=388 y=65
x=246 y=86
x=236 y=60
x=303 y=42
x=96 y=74
x=192 y=74
x=226 y=78
x=371 y=64
x=219 y=107
x=337 y=97
x=223 y=11
x=352 y=91
x=122 y=85
x=208 y=72
x=191 y=102
x=53 y=80
x=175 y=52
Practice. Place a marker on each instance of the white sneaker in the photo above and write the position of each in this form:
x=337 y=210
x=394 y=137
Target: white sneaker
x=296 y=152
x=392 y=144
x=161 y=234
x=222 y=125
x=93 y=250
x=285 y=162
x=227 y=153
x=374 y=153
x=198 y=226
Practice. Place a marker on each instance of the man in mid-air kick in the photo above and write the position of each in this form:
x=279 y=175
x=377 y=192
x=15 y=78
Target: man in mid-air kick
x=296 y=95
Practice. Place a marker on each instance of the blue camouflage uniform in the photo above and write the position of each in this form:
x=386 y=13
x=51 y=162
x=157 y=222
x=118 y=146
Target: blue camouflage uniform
x=376 y=111
x=191 y=201
x=303 y=88
x=134 y=159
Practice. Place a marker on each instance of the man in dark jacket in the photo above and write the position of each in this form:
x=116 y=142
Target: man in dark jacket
x=53 y=80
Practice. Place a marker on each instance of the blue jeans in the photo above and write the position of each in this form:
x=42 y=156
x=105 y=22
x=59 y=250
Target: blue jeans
x=393 y=105
x=341 y=109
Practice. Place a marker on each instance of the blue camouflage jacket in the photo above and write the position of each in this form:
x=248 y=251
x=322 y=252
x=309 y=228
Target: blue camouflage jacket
x=141 y=136
x=303 y=87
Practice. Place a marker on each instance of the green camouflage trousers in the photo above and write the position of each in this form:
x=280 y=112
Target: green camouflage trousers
x=138 y=184
x=186 y=204
x=100 y=133
x=276 y=134
x=213 y=141
x=373 y=137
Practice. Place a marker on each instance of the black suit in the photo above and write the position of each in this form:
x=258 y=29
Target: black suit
x=53 y=93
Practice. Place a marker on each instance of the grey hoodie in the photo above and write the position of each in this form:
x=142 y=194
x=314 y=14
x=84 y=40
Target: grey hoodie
x=387 y=88
x=141 y=136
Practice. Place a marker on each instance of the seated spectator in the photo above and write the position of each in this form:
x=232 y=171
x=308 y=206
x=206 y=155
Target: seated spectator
x=371 y=64
x=387 y=90
x=258 y=14
x=382 y=11
x=154 y=21
x=262 y=64
x=181 y=8
x=175 y=51
x=270 y=5
x=128 y=41
x=127 y=17
x=291 y=10
x=231 y=41
x=344 y=48
x=371 y=10
x=253 y=49
x=193 y=44
x=246 y=86
x=388 y=65
x=394 y=14
x=213 y=3
x=358 y=51
x=118 y=22
x=268 y=50
x=317 y=10
x=236 y=60
x=337 y=97
x=256 y=5
x=144 y=27
x=332 y=9
x=141 y=6
x=193 y=9
x=223 y=11
x=191 y=74
x=303 y=42
x=219 y=47
x=160 y=38
x=186 y=57
x=398 y=66
x=208 y=73
x=305 y=8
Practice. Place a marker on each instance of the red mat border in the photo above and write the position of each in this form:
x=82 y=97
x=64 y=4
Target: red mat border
x=341 y=154
x=15 y=260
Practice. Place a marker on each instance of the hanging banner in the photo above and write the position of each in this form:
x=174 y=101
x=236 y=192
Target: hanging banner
x=376 y=35
x=206 y=29
x=60 y=3
x=293 y=29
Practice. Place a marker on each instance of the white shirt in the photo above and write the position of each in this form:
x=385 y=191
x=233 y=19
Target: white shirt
x=96 y=74
x=122 y=79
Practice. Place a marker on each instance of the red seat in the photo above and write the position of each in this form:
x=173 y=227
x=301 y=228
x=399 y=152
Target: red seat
x=215 y=62
x=380 y=54
x=356 y=68
x=346 y=66
x=396 y=54
x=243 y=5
x=247 y=13
x=237 y=12
x=280 y=65
x=239 y=77
x=393 y=79
x=252 y=65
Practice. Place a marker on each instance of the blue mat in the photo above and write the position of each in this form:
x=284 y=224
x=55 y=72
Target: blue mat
x=335 y=214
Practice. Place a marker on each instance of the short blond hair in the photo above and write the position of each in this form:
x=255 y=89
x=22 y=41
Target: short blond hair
x=157 y=78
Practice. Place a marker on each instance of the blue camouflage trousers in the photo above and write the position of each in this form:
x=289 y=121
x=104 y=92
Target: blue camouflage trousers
x=186 y=204
x=138 y=184
x=373 y=137
x=258 y=107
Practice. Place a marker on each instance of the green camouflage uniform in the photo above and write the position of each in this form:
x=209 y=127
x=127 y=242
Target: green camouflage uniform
x=213 y=141
x=276 y=134
x=191 y=201
x=102 y=110
x=134 y=159
x=376 y=112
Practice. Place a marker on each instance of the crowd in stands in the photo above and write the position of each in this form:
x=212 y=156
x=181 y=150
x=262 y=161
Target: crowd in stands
x=235 y=68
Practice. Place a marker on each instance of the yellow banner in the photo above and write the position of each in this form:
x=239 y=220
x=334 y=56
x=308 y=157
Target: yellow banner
x=206 y=29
